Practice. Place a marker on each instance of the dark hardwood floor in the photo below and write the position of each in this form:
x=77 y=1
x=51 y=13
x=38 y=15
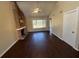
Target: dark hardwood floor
x=39 y=45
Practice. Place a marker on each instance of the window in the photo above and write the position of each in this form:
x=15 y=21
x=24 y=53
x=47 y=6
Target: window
x=39 y=23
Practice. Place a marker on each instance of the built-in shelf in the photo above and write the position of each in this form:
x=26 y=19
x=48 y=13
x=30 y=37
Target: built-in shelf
x=20 y=36
x=21 y=28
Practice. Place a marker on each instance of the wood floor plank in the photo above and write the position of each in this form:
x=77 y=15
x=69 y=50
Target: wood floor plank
x=41 y=45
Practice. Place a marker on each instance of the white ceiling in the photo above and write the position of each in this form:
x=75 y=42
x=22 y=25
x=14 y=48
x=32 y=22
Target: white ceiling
x=46 y=7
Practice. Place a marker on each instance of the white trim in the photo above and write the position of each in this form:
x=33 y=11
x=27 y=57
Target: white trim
x=8 y=48
x=57 y=36
x=66 y=42
x=21 y=28
x=75 y=48
x=72 y=46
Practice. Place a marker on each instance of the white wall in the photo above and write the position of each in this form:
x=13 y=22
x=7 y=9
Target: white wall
x=7 y=26
x=57 y=16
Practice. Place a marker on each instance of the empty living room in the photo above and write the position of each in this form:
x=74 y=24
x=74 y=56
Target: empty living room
x=39 y=29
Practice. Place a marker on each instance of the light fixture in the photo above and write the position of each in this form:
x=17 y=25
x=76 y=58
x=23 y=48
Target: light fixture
x=36 y=10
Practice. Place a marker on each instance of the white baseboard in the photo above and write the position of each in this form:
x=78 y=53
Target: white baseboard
x=72 y=46
x=38 y=30
x=57 y=36
x=8 y=48
x=66 y=42
x=75 y=48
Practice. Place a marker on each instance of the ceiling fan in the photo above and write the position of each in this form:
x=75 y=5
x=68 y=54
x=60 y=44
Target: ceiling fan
x=36 y=10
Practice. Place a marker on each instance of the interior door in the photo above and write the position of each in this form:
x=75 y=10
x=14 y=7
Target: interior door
x=70 y=26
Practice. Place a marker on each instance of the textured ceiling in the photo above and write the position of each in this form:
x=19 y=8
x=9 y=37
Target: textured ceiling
x=46 y=7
